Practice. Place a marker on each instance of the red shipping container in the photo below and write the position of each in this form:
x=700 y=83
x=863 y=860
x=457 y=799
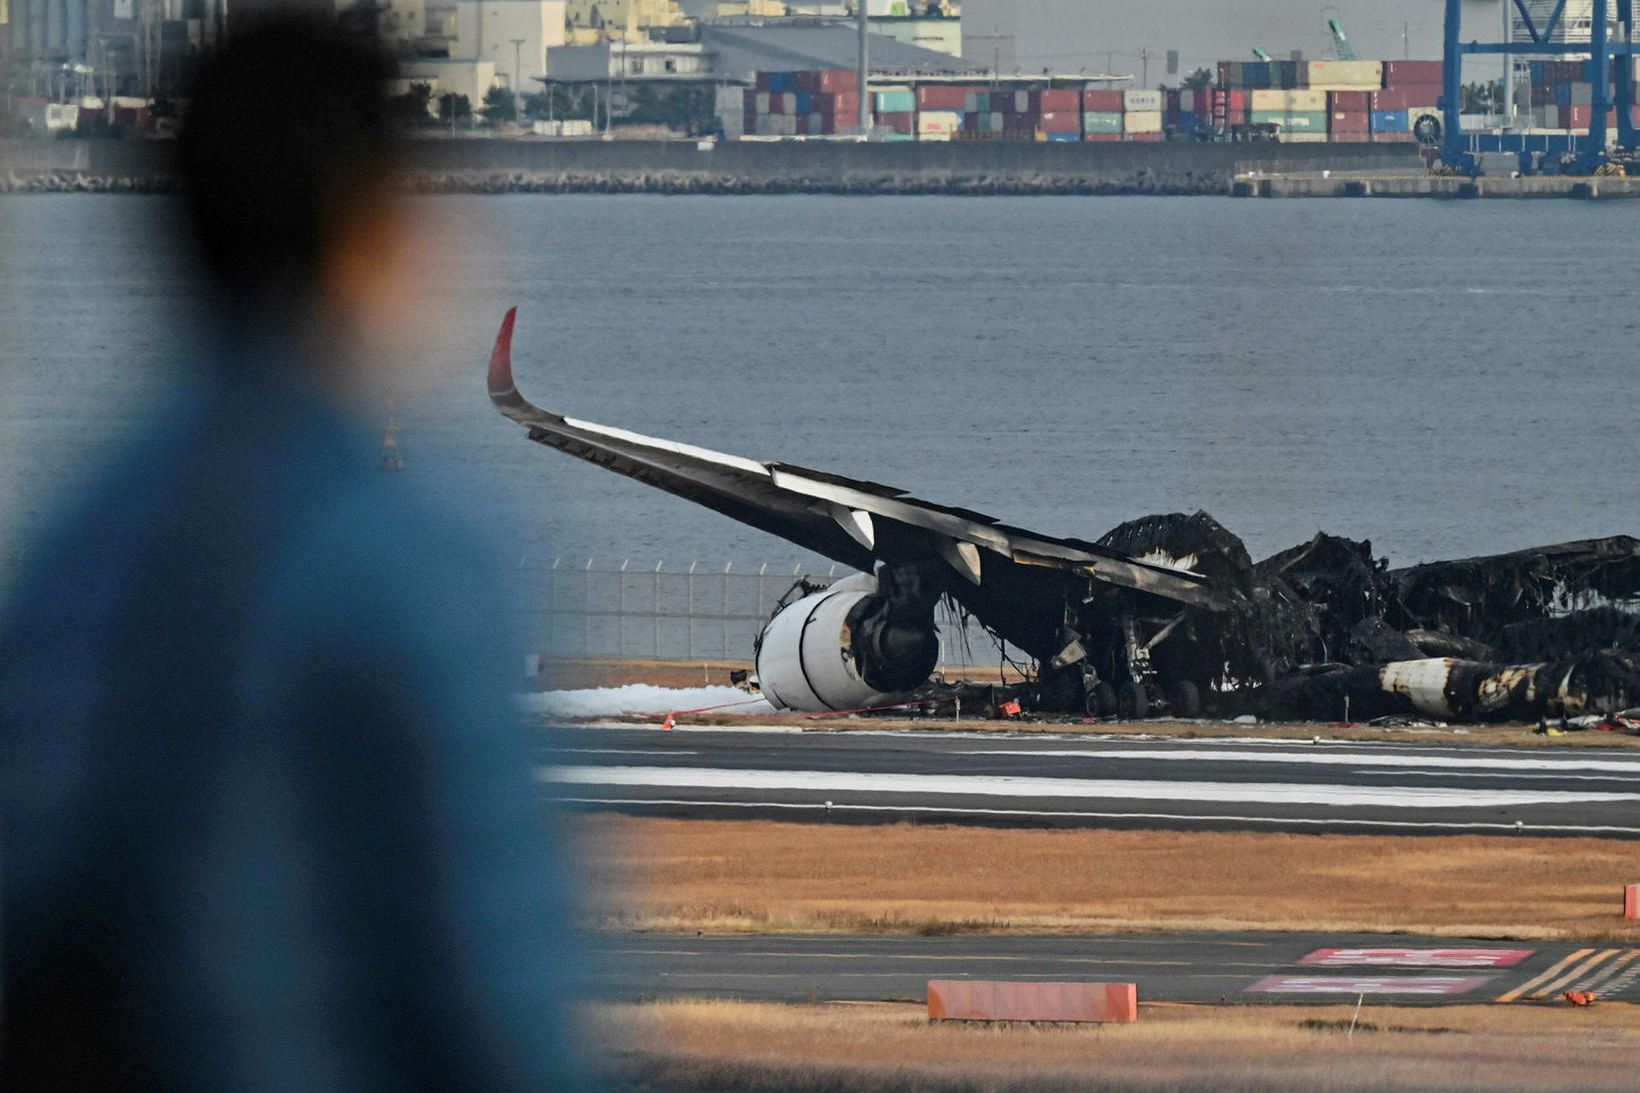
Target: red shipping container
x=1579 y=117
x=1397 y=73
x=899 y=123
x=1101 y=136
x=1414 y=97
x=838 y=79
x=1061 y=121
x=835 y=102
x=1061 y=99
x=749 y=100
x=1344 y=122
x=1103 y=102
x=1349 y=102
x=762 y=81
x=943 y=97
x=807 y=82
x=1392 y=138
x=1238 y=99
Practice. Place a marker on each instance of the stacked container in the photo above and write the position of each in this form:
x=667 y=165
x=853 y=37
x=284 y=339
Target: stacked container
x=1102 y=115
x=1142 y=114
x=1298 y=115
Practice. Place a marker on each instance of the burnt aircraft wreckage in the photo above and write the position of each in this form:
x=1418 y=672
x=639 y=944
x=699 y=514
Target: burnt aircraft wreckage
x=1162 y=614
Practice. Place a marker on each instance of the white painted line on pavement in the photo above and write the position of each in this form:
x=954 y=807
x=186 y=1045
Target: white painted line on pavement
x=973 y=785
x=1332 y=758
x=937 y=810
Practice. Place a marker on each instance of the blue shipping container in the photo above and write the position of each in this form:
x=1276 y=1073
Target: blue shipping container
x=1390 y=121
x=1065 y=137
x=1563 y=94
x=803 y=101
x=782 y=81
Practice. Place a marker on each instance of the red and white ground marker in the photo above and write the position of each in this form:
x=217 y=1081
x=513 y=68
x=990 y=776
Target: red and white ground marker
x=1369 y=984
x=1416 y=958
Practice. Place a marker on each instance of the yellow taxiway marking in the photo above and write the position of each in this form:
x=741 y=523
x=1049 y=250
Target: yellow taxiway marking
x=1611 y=971
x=1510 y=996
x=1541 y=989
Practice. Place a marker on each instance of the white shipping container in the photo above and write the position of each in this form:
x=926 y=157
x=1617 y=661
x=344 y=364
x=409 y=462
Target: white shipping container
x=1346 y=75
x=1288 y=102
x=763 y=101
x=1301 y=138
x=938 y=122
x=1142 y=121
x=1141 y=102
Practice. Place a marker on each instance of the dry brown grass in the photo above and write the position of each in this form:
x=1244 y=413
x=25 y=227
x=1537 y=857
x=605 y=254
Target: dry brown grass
x=760 y=876
x=838 y=1048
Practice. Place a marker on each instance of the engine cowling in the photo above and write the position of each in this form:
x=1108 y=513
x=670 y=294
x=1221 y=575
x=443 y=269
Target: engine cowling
x=858 y=644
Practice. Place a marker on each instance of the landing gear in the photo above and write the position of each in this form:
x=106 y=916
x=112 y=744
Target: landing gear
x=1133 y=701
x=1101 y=700
x=1184 y=699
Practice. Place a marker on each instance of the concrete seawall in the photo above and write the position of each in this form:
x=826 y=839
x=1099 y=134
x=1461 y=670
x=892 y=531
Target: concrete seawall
x=960 y=167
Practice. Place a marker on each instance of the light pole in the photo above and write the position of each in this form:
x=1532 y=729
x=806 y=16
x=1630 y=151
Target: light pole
x=517 y=80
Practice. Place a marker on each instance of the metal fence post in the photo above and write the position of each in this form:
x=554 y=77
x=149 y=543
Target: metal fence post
x=586 y=610
x=620 y=609
x=689 y=615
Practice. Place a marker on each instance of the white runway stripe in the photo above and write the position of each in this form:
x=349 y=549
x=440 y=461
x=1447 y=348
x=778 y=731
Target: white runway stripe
x=1330 y=758
x=1104 y=789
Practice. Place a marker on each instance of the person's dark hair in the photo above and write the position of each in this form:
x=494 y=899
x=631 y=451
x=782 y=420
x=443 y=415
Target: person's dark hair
x=286 y=125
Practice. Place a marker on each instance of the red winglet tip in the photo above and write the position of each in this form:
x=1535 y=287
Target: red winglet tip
x=501 y=377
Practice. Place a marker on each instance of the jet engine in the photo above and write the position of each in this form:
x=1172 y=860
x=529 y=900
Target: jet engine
x=857 y=644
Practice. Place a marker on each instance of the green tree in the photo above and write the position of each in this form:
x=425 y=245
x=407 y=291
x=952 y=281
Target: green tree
x=500 y=104
x=414 y=107
x=558 y=102
x=1199 y=80
x=453 y=107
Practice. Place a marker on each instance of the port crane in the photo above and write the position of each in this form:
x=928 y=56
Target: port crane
x=1582 y=153
x=1341 y=41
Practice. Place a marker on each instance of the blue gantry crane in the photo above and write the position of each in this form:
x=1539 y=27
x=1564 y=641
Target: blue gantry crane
x=1578 y=153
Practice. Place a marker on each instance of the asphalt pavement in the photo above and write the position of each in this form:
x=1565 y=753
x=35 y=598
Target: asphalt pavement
x=1053 y=780
x=1186 y=967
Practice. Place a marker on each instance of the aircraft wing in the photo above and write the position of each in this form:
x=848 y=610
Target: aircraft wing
x=857 y=523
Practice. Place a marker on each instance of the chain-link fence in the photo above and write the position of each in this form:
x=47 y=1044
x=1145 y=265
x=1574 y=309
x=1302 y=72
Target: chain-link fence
x=649 y=611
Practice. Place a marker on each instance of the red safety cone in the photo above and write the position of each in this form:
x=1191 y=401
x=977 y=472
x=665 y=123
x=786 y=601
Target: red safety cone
x=666 y=726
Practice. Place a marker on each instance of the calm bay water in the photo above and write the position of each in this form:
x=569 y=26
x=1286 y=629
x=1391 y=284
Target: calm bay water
x=1443 y=378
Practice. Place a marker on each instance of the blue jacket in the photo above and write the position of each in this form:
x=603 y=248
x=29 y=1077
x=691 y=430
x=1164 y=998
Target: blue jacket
x=268 y=820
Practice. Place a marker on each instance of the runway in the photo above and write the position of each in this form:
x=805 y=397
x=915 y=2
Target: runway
x=1052 y=780
x=1191 y=967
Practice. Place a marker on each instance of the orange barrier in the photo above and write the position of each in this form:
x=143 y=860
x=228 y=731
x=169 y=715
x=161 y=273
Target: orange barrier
x=982 y=1000
x=1631 y=901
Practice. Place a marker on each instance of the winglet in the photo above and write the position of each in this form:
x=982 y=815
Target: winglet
x=501 y=376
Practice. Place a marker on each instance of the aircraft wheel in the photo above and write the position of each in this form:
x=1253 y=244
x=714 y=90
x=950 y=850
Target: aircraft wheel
x=1102 y=700
x=1185 y=699
x=1133 y=703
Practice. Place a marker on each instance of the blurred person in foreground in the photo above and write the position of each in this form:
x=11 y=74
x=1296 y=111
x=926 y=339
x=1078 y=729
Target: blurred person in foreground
x=267 y=820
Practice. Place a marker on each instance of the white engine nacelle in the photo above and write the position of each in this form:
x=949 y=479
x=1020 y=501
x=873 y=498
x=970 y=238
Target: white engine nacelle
x=808 y=657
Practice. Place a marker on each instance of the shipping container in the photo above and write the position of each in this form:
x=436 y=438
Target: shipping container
x=1344 y=75
x=1101 y=122
x=898 y=121
x=839 y=79
x=1101 y=136
x=1292 y=121
x=1061 y=99
x=1142 y=121
x=1063 y=137
x=1397 y=73
x=1340 y=122
x=895 y=102
x=1405 y=98
x=1350 y=102
x=1144 y=137
x=938 y=124
x=1142 y=102
x=1103 y=102
x=1390 y=121
x=943 y=97
x=1288 y=102
x=1062 y=121
x=1300 y=138
x=1392 y=138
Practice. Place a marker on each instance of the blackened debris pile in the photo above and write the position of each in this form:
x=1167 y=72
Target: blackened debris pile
x=1327 y=630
